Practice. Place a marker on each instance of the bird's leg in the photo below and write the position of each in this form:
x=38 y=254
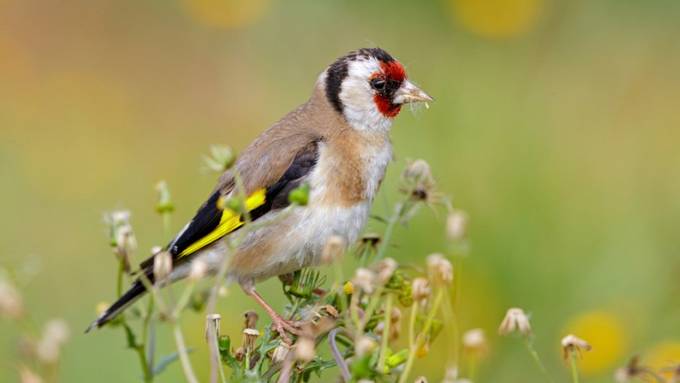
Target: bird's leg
x=280 y=325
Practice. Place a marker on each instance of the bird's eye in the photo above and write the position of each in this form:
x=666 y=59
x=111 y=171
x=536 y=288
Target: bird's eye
x=378 y=83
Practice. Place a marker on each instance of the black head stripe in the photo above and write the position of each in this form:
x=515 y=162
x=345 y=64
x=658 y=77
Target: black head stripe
x=337 y=72
x=334 y=77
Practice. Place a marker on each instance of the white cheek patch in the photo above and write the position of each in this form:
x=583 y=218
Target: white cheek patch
x=356 y=95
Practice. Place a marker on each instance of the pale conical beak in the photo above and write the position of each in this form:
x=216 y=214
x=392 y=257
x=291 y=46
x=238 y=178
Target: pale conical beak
x=410 y=93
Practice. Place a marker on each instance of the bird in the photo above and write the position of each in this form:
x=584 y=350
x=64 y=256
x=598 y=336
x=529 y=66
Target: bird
x=337 y=144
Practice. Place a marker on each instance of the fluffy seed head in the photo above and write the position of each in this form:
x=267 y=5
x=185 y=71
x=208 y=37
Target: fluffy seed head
x=198 y=270
x=384 y=270
x=305 y=349
x=515 y=320
x=420 y=290
x=573 y=344
x=162 y=265
x=364 y=345
x=55 y=334
x=11 y=304
x=456 y=225
x=439 y=269
x=474 y=341
x=364 y=279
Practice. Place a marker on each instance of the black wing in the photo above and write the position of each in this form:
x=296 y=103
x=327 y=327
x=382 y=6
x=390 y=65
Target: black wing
x=208 y=216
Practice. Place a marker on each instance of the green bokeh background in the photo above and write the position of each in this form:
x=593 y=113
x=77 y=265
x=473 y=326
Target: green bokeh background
x=558 y=135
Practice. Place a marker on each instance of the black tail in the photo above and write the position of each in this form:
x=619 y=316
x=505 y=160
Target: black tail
x=130 y=296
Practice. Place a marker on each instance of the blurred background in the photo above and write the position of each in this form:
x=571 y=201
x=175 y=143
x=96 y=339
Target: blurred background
x=555 y=126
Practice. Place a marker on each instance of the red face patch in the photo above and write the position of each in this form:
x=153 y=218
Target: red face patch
x=393 y=70
x=393 y=74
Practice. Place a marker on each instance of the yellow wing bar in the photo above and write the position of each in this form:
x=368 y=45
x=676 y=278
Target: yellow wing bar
x=229 y=222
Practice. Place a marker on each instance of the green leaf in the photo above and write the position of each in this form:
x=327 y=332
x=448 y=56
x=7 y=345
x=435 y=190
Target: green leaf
x=130 y=336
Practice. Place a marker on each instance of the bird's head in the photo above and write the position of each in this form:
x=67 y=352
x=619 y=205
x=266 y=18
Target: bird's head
x=368 y=87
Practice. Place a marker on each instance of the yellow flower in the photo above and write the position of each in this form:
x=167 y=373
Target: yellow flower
x=497 y=18
x=348 y=288
x=225 y=13
x=606 y=334
x=662 y=356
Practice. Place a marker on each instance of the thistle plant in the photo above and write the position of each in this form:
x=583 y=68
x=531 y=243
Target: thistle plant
x=352 y=323
x=39 y=348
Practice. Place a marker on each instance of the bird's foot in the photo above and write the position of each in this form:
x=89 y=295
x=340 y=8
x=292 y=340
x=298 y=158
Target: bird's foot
x=284 y=327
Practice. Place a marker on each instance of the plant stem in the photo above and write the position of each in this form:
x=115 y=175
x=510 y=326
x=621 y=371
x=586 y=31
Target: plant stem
x=421 y=337
x=148 y=376
x=149 y=339
x=574 y=367
x=121 y=273
x=372 y=305
x=387 y=236
x=183 y=355
x=536 y=358
x=386 y=334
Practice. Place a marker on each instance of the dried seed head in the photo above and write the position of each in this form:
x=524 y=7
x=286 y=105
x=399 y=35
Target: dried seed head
x=384 y=270
x=474 y=341
x=630 y=372
x=365 y=280
x=250 y=319
x=331 y=311
x=304 y=349
x=11 y=304
x=364 y=346
x=439 y=269
x=280 y=352
x=162 y=265
x=418 y=173
x=28 y=376
x=515 y=320
x=451 y=375
x=420 y=290
x=122 y=237
x=198 y=270
x=333 y=249
x=55 y=334
x=212 y=326
x=249 y=337
x=573 y=344
x=456 y=225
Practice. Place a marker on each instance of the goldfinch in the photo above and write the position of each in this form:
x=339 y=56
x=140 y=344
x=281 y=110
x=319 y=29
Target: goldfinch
x=337 y=143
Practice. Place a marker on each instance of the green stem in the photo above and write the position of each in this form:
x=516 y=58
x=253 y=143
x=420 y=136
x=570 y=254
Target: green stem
x=338 y=286
x=386 y=333
x=537 y=359
x=166 y=225
x=387 y=236
x=148 y=375
x=150 y=346
x=574 y=367
x=422 y=336
x=119 y=281
x=452 y=330
x=472 y=367
x=372 y=305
